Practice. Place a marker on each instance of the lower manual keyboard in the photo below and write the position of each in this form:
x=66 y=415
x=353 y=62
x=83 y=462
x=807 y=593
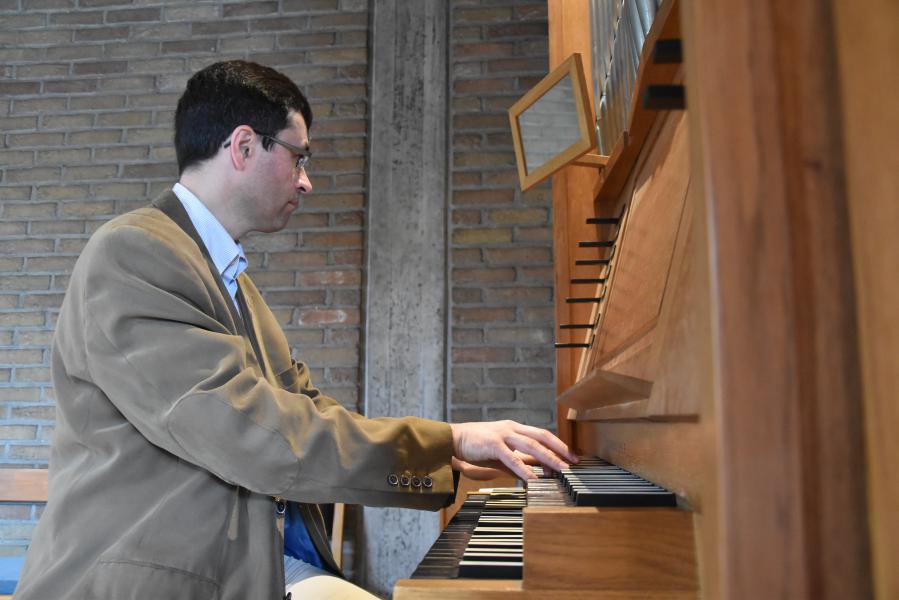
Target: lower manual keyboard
x=485 y=539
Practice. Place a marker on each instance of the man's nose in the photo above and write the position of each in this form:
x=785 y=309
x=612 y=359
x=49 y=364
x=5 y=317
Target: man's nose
x=304 y=186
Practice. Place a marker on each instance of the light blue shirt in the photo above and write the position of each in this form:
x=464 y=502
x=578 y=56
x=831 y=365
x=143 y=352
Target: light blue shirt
x=227 y=254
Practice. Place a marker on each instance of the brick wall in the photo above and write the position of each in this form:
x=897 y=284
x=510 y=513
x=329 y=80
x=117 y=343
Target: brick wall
x=501 y=240
x=87 y=93
x=87 y=96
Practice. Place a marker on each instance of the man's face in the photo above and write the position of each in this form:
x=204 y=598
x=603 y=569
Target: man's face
x=276 y=185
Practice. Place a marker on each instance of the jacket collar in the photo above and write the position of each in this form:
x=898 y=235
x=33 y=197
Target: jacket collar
x=171 y=206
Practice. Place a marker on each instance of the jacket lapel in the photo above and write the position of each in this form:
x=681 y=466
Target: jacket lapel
x=171 y=206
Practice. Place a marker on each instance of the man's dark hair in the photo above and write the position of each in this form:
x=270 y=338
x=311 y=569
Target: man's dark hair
x=225 y=95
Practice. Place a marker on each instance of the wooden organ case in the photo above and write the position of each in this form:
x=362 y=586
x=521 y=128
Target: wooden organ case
x=716 y=335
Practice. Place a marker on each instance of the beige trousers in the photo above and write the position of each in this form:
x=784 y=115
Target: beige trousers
x=326 y=587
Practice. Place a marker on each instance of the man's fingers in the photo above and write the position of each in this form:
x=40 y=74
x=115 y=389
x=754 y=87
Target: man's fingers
x=516 y=465
x=538 y=451
x=549 y=440
x=527 y=458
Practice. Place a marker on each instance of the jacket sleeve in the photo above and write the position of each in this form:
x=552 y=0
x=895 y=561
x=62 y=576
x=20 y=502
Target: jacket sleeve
x=188 y=385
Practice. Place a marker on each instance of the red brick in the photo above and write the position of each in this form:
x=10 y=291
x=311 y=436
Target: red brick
x=309 y=5
x=466 y=217
x=79 y=17
x=516 y=65
x=21 y=357
x=484 y=395
x=307 y=220
x=534 y=12
x=189 y=46
x=537 y=314
x=499 y=139
x=340 y=126
x=328 y=317
x=483 y=355
x=518 y=30
x=218 y=27
x=343 y=337
x=518 y=256
x=20 y=228
x=346 y=297
x=19 y=88
x=467 y=141
x=483 y=275
x=243 y=9
x=520 y=375
x=95 y=34
x=332 y=239
x=348 y=219
x=339 y=357
x=467 y=336
x=468 y=86
x=481 y=315
x=482 y=15
x=519 y=295
x=278 y=24
x=328 y=278
x=483 y=49
x=483 y=159
x=347 y=257
x=30 y=210
x=466 y=179
x=520 y=335
x=297 y=259
x=534 y=234
x=295 y=298
x=345 y=19
x=518 y=216
x=501 y=177
x=484 y=196
x=133 y=15
x=305 y=40
x=467 y=296
x=304 y=337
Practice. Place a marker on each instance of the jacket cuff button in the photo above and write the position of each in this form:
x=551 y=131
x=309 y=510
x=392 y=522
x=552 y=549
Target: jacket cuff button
x=427 y=482
x=405 y=480
x=416 y=482
x=392 y=479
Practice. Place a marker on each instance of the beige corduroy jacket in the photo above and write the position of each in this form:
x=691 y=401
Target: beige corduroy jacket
x=180 y=430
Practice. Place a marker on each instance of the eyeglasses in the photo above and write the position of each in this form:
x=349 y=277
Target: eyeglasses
x=303 y=156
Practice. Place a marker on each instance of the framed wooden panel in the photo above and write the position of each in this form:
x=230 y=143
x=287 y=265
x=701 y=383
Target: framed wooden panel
x=571 y=69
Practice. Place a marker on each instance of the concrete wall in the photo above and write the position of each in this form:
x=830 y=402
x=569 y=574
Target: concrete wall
x=87 y=92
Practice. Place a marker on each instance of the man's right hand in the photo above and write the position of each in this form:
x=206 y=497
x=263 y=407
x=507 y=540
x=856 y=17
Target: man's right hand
x=481 y=448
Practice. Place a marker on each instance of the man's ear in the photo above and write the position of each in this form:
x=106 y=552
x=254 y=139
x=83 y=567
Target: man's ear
x=239 y=145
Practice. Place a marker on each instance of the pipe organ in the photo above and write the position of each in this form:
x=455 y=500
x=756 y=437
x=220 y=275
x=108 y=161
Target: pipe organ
x=708 y=355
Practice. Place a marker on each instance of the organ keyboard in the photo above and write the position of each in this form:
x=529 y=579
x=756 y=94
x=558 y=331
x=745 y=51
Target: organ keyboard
x=529 y=536
x=485 y=538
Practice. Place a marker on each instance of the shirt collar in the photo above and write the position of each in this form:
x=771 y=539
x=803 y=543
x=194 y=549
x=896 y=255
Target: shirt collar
x=227 y=254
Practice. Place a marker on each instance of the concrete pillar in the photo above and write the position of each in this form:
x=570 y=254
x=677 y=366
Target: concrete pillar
x=406 y=304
